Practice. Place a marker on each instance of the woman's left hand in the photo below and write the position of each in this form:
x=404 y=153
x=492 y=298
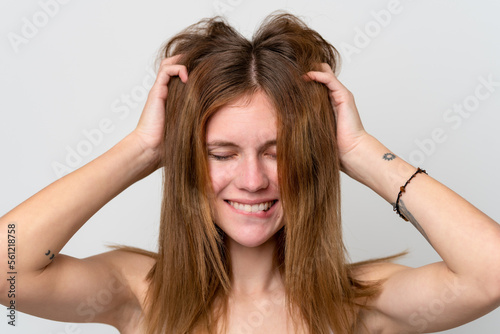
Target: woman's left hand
x=350 y=130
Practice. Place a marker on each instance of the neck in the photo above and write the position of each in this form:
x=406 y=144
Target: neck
x=253 y=268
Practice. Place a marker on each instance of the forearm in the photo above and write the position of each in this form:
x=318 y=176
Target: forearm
x=466 y=239
x=48 y=219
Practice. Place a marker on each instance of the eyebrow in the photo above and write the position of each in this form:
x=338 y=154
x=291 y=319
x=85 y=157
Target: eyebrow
x=224 y=143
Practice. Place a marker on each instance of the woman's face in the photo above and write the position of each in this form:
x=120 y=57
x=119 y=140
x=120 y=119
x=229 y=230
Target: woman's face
x=241 y=144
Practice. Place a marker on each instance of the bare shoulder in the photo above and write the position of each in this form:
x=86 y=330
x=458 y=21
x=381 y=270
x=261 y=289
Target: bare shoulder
x=104 y=288
x=132 y=269
x=430 y=298
x=372 y=319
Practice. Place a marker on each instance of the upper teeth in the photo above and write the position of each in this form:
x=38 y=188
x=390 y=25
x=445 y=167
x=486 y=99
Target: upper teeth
x=251 y=208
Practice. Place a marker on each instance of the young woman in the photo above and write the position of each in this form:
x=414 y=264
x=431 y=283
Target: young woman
x=252 y=136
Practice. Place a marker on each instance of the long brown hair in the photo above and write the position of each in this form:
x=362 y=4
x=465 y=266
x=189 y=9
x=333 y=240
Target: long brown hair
x=190 y=281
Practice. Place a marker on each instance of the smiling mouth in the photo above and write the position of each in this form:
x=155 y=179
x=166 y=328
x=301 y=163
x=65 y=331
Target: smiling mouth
x=261 y=207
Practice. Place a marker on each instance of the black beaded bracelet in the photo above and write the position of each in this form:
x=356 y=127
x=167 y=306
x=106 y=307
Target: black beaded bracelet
x=402 y=190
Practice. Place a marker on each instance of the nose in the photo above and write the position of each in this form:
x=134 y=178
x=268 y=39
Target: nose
x=251 y=175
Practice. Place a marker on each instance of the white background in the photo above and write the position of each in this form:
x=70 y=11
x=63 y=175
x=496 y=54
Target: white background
x=83 y=62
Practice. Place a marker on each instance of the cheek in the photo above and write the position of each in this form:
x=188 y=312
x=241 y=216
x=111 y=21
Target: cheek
x=272 y=172
x=220 y=176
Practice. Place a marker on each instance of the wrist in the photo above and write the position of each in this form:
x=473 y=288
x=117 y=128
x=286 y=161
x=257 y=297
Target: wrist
x=367 y=165
x=356 y=162
x=139 y=159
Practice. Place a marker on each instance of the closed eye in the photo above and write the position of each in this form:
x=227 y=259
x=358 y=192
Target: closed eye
x=227 y=157
x=220 y=157
x=273 y=156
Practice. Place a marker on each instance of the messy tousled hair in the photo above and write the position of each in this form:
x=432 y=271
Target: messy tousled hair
x=190 y=281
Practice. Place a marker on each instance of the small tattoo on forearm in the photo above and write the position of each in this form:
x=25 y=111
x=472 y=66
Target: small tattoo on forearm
x=51 y=256
x=409 y=216
x=389 y=156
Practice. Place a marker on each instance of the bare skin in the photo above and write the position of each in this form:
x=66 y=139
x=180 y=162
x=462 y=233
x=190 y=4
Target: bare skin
x=466 y=284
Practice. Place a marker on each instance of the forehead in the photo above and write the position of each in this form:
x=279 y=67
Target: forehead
x=252 y=116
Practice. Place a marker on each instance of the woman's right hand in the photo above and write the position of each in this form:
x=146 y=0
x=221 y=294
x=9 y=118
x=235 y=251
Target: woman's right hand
x=150 y=129
x=46 y=221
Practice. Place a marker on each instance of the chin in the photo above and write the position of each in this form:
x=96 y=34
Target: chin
x=252 y=240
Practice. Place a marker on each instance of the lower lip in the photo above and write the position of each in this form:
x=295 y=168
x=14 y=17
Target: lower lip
x=258 y=214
